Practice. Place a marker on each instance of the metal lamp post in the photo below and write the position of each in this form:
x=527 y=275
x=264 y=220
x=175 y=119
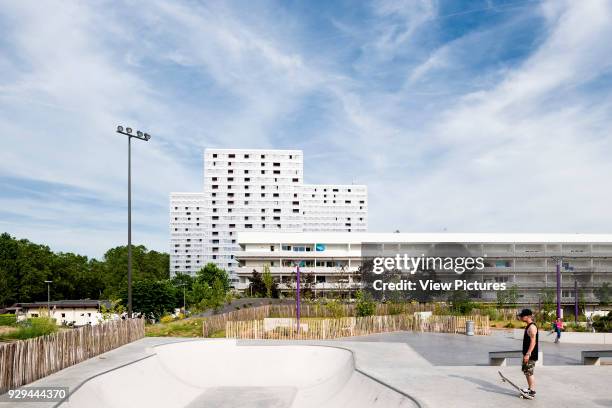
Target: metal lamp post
x=141 y=136
x=49 y=282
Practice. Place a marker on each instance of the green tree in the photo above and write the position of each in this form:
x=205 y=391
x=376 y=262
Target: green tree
x=152 y=298
x=268 y=280
x=364 y=306
x=257 y=287
x=211 y=272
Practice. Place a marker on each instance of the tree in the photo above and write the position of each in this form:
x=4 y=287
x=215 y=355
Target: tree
x=364 y=306
x=257 y=287
x=267 y=280
x=152 y=298
x=211 y=272
x=603 y=294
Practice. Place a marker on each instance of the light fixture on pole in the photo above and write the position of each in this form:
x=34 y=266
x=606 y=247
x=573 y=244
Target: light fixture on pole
x=145 y=137
x=49 y=282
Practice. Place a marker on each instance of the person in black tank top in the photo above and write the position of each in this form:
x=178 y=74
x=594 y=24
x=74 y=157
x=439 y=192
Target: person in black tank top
x=530 y=349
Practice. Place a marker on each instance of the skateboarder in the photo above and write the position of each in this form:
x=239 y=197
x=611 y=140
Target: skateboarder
x=530 y=350
x=558 y=327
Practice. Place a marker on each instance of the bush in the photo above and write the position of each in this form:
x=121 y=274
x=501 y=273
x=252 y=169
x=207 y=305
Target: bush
x=166 y=319
x=34 y=327
x=8 y=320
x=603 y=324
x=364 y=306
x=335 y=309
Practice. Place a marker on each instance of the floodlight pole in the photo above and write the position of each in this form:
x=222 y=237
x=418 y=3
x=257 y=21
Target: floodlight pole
x=49 y=282
x=142 y=136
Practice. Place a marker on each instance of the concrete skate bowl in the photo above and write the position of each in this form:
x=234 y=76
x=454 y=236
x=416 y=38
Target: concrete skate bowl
x=222 y=374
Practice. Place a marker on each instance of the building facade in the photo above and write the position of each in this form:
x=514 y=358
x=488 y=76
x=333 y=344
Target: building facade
x=254 y=190
x=527 y=261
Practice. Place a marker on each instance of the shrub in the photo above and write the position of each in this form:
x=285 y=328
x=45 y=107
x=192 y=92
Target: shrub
x=34 y=327
x=166 y=319
x=8 y=320
x=603 y=324
x=334 y=308
x=364 y=306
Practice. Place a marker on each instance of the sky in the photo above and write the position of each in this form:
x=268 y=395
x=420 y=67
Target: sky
x=460 y=116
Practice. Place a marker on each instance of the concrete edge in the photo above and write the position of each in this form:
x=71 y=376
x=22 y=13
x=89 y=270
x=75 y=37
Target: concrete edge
x=419 y=403
x=86 y=380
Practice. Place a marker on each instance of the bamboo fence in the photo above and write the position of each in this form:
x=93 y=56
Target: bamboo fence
x=320 y=329
x=218 y=322
x=24 y=361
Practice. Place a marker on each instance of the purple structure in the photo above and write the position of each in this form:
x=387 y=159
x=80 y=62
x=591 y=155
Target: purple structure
x=297 y=297
x=558 y=287
x=575 y=301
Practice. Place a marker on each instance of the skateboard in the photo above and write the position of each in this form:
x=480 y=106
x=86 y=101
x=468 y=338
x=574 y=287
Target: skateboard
x=521 y=393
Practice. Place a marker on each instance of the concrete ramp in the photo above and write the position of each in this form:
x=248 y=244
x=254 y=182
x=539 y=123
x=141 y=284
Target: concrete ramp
x=222 y=374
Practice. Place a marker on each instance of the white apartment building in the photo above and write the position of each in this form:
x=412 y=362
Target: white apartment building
x=255 y=190
x=187 y=220
x=528 y=261
x=335 y=208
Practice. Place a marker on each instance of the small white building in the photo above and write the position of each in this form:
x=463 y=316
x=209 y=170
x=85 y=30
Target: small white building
x=65 y=312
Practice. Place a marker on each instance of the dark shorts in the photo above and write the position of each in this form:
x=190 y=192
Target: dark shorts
x=528 y=367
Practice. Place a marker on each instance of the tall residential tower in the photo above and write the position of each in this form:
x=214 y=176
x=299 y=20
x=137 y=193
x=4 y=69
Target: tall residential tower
x=255 y=190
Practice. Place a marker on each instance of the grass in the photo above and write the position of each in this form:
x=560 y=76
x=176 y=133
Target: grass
x=180 y=328
x=34 y=327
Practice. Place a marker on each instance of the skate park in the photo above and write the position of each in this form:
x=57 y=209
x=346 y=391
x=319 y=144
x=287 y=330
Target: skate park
x=392 y=369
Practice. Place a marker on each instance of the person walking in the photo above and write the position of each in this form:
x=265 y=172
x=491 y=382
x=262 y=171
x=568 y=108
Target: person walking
x=530 y=351
x=558 y=327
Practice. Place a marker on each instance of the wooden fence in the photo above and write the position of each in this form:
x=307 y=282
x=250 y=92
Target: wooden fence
x=319 y=329
x=24 y=361
x=218 y=322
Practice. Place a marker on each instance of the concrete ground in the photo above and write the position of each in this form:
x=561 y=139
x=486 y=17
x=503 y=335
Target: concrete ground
x=438 y=370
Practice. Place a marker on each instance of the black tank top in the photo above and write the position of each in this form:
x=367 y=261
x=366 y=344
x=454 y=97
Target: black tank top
x=527 y=341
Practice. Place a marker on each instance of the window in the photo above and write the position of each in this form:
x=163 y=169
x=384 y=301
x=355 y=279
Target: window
x=248 y=225
x=263 y=156
x=246 y=156
x=231 y=156
x=214 y=155
x=276 y=164
x=320 y=279
x=276 y=171
x=286 y=247
x=295 y=180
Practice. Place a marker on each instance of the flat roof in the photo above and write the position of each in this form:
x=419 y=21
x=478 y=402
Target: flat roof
x=377 y=237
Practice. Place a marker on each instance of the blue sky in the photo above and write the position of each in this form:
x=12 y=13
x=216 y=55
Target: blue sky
x=483 y=116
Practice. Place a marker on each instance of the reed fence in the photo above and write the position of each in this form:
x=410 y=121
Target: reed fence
x=24 y=361
x=324 y=328
x=218 y=322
